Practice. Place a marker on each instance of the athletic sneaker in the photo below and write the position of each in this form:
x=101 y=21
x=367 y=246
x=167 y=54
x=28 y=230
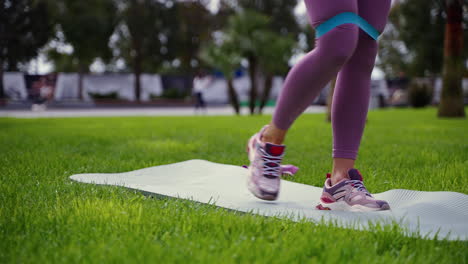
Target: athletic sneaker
x=349 y=195
x=265 y=167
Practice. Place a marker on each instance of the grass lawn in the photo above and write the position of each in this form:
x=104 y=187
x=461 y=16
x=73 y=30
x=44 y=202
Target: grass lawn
x=45 y=217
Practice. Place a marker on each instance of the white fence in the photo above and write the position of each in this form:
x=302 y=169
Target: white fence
x=66 y=87
x=14 y=85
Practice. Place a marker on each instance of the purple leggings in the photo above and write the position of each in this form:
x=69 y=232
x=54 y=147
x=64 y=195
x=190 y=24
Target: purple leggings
x=347 y=51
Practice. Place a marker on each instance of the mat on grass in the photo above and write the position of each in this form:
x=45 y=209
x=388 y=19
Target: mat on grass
x=425 y=214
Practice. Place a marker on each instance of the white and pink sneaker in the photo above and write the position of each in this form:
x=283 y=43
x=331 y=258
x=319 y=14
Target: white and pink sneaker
x=265 y=167
x=349 y=195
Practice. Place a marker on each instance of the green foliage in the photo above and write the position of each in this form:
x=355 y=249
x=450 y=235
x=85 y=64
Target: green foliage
x=278 y=38
x=144 y=36
x=279 y=12
x=111 y=96
x=46 y=218
x=87 y=25
x=144 y=33
x=225 y=57
x=275 y=52
x=422 y=30
x=414 y=38
x=246 y=29
x=192 y=27
x=173 y=93
x=63 y=62
x=25 y=27
x=393 y=59
x=154 y=34
x=261 y=46
x=308 y=32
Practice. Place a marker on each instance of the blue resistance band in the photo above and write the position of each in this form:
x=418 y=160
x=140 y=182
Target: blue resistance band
x=345 y=18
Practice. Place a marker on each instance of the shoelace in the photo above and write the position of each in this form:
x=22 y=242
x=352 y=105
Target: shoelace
x=267 y=159
x=359 y=185
x=286 y=170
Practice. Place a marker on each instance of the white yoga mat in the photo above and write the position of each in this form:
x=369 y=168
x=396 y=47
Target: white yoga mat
x=426 y=214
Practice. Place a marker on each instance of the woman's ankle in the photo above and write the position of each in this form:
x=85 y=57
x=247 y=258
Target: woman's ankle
x=340 y=169
x=273 y=135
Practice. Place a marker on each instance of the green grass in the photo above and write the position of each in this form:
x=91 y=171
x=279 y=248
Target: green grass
x=45 y=217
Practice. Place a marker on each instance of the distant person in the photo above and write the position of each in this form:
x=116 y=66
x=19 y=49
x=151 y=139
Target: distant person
x=42 y=93
x=343 y=49
x=200 y=83
x=399 y=93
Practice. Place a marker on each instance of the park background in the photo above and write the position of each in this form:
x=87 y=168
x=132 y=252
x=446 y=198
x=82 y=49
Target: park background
x=125 y=53
x=70 y=56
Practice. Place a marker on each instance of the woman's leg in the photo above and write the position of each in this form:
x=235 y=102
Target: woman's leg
x=302 y=85
x=351 y=97
x=314 y=71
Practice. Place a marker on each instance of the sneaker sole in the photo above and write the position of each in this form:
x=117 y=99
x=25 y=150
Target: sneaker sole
x=343 y=206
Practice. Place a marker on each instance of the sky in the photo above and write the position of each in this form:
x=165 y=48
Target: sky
x=42 y=66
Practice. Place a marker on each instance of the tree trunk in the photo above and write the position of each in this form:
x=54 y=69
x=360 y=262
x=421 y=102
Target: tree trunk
x=137 y=72
x=137 y=86
x=233 y=96
x=330 y=99
x=253 y=83
x=2 y=90
x=137 y=9
x=266 y=92
x=451 y=100
x=80 y=82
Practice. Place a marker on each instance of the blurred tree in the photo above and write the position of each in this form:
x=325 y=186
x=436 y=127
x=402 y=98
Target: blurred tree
x=392 y=50
x=225 y=10
x=193 y=26
x=226 y=58
x=25 y=27
x=308 y=36
x=273 y=59
x=451 y=101
x=145 y=34
x=87 y=25
x=268 y=19
x=421 y=26
x=280 y=12
x=62 y=62
x=246 y=29
x=413 y=39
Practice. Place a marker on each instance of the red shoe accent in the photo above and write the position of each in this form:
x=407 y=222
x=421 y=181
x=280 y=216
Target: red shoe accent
x=274 y=149
x=326 y=199
x=360 y=175
x=320 y=207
